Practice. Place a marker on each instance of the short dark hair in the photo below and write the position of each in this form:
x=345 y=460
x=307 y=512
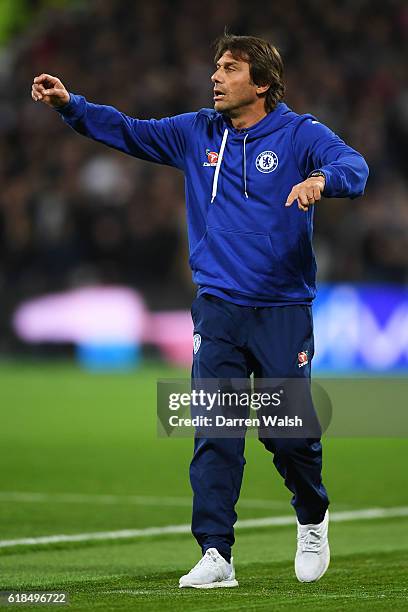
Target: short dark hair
x=265 y=63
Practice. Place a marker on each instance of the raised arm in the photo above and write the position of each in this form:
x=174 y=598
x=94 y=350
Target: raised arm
x=161 y=141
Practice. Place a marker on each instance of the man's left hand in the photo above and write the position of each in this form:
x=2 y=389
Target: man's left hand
x=306 y=193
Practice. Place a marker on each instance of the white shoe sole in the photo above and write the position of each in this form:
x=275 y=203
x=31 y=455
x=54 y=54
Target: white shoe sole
x=228 y=584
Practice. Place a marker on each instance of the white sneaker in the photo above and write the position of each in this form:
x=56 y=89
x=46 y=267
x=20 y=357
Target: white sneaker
x=211 y=572
x=313 y=552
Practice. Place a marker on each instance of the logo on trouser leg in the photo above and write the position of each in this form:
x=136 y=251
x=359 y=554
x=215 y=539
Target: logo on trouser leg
x=303 y=359
x=196 y=342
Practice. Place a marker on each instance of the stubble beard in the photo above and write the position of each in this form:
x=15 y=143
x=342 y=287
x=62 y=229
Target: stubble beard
x=232 y=111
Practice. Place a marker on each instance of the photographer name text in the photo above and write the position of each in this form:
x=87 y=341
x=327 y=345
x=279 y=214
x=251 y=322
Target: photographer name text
x=222 y=421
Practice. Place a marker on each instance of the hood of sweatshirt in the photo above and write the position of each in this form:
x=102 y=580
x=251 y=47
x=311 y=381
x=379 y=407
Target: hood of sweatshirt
x=273 y=121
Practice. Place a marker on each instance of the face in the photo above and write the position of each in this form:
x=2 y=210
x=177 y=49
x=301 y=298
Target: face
x=233 y=87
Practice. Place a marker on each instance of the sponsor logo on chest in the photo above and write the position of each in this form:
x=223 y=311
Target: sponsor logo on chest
x=212 y=158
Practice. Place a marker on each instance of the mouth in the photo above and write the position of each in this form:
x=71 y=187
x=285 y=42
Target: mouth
x=218 y=95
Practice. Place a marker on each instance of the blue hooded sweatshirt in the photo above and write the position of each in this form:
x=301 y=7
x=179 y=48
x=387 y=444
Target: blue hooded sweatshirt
x=245 y=245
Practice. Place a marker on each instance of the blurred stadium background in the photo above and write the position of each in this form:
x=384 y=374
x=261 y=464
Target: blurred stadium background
x=94 y=276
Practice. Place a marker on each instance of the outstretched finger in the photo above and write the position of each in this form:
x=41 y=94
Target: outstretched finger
x=291 y=198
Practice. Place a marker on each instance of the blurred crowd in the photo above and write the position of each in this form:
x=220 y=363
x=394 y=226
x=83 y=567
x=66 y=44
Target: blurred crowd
x=74 y=212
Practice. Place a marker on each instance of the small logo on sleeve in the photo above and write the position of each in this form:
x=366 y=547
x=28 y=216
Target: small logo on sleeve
x=303 y=359
x=212 y=158
x=267 y=161
x=196 y=342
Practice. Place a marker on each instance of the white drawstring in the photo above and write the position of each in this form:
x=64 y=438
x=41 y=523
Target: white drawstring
x=217 y=169
x=245 y=175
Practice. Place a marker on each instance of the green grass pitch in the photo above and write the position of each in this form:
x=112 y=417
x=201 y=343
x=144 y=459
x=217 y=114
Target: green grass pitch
x=64 y=431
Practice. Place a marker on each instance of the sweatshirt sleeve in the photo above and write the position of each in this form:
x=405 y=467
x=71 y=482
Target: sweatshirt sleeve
x=162 y=141
x=316 y=147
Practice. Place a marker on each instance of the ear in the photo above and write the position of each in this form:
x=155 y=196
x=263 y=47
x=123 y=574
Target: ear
x=261 y=89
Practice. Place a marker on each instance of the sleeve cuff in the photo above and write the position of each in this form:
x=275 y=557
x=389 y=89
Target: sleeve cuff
x=71 y=108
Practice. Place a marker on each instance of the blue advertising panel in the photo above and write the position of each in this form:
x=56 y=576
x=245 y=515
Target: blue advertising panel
x=361 y=328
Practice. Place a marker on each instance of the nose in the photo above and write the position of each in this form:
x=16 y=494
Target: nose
x=215 y=78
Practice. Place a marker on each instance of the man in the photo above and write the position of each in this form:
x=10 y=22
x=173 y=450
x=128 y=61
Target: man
x=246 y=163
